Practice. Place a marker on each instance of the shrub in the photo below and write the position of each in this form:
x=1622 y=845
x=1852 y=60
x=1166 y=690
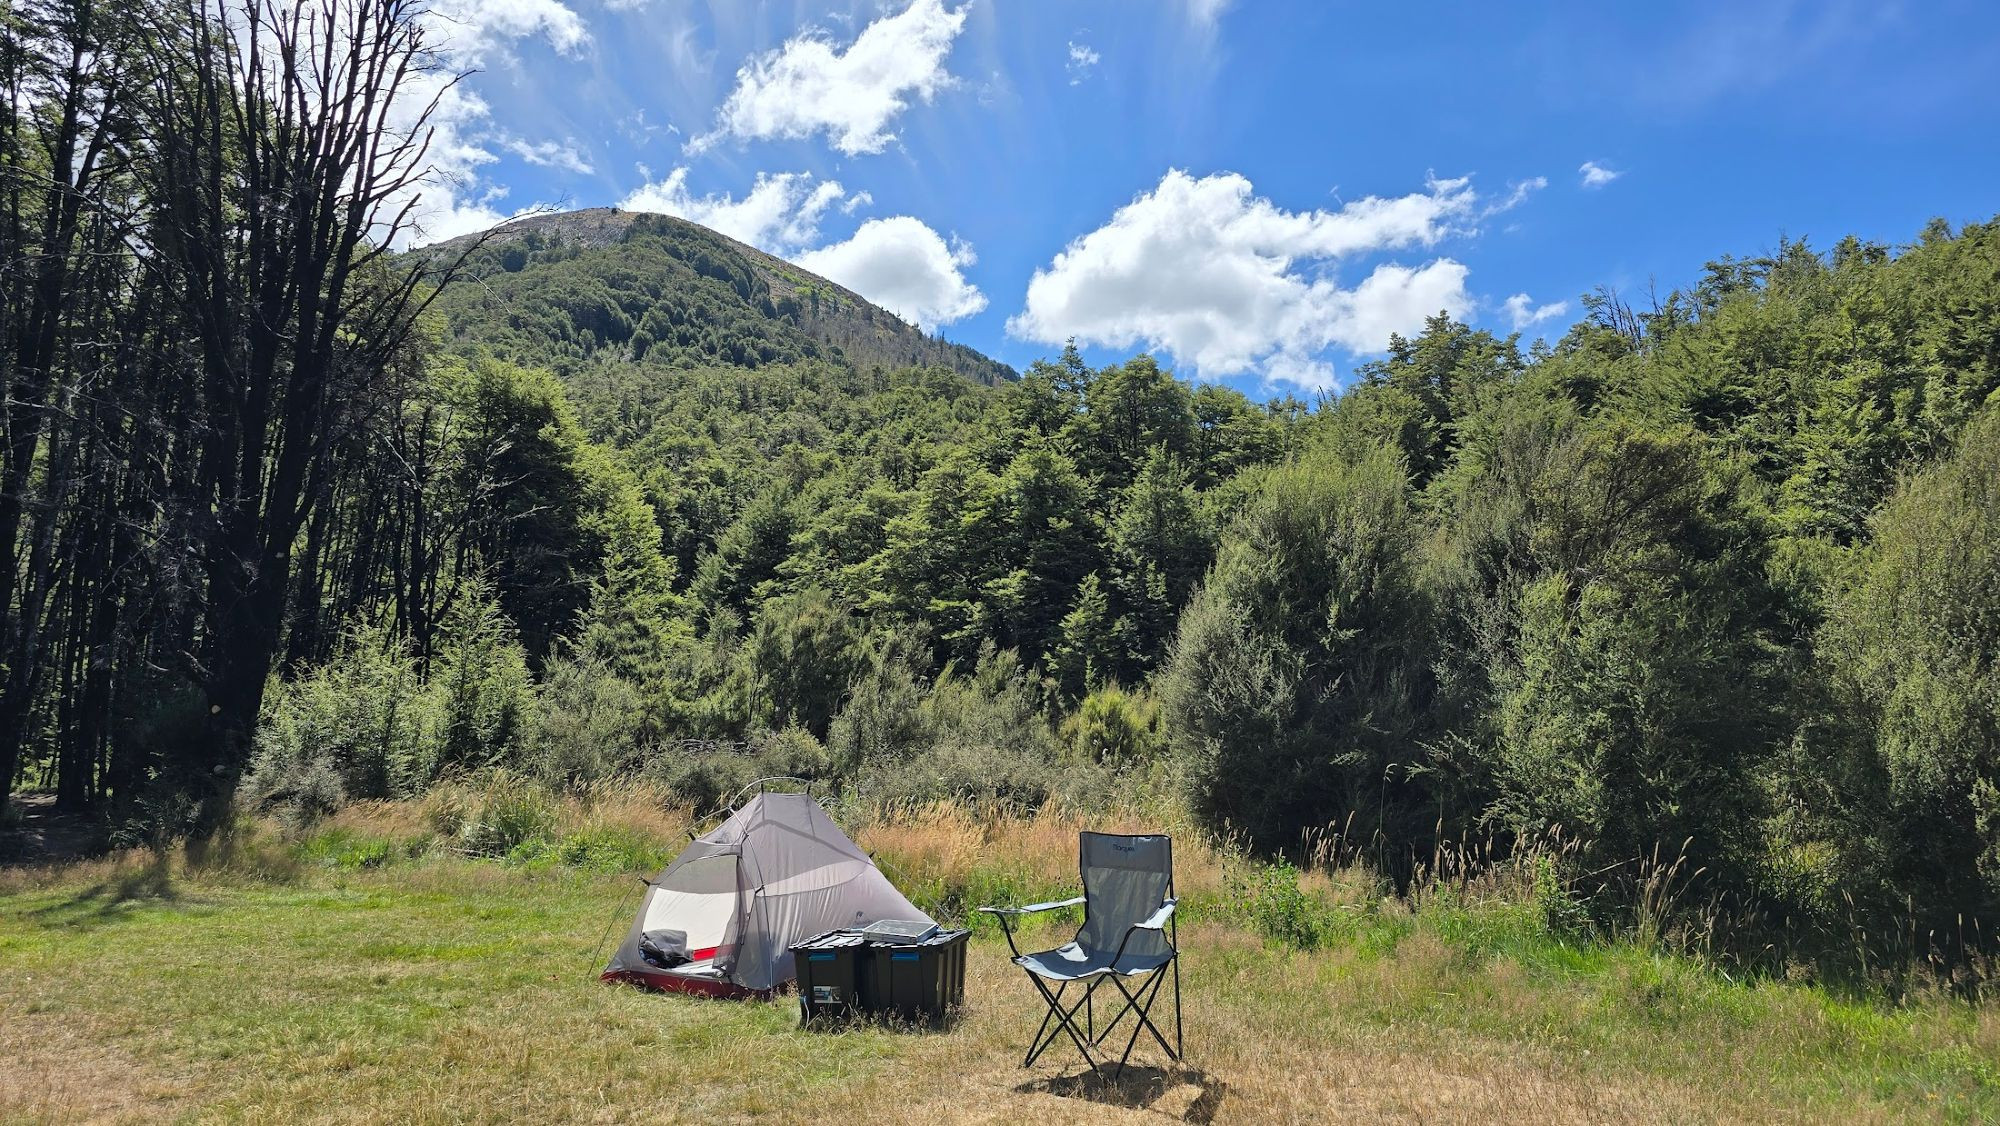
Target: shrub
x=1914 y=641
x=1299 y=678
x=885 y=718
x=806 y=649
x=485 y=696
x=1636 y=691
x=988 y=743
x=504 y=812
x=1115 y=728
x=1284 y=912
x=706 y=776
x=591 y=725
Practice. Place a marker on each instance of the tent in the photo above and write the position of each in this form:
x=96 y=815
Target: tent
x=720 y=919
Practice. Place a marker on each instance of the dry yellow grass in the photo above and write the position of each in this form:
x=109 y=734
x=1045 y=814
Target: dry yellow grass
x=950 y=843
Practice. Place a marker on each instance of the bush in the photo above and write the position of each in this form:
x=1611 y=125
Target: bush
x=989 y=743
x=885 y=718
x=359 y=727
x=367 y=725
x=1914 y=641
x=1636 y=693
x=485 y=696
x=591 y=725
x=1115 y=728
x=806 y=649
x=1282 y=911
x=493 y=816
x=706 y=776
x=1299 y=680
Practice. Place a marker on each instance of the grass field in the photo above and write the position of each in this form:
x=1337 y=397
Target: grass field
x=367 y=974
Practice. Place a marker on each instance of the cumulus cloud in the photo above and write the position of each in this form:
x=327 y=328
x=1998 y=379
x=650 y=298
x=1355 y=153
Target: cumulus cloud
x=780 y=214
x=1524 y=313
x=1081 y=60
x=809 y=86
x=456 y=200
x=473 y=30
x=550 y=154
x=1231 y=283
x=904 y=266
x=1596 y=175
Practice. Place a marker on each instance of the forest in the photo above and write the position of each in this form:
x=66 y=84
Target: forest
x=293 y=517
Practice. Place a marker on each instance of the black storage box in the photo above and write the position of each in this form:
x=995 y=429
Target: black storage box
x=829 y=969
x=842 y=974
x=917 y=981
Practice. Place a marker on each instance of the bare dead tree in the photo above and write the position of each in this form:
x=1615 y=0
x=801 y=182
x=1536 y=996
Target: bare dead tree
x=292 y=140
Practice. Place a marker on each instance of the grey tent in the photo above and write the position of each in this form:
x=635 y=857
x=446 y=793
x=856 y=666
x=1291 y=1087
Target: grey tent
x=721 y=918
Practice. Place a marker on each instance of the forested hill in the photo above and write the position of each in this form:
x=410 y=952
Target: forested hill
x=576 y=289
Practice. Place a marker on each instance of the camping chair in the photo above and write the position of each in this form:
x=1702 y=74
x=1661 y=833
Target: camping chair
x=1128 y=932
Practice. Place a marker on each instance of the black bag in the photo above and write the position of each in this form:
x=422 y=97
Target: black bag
x=665 y=949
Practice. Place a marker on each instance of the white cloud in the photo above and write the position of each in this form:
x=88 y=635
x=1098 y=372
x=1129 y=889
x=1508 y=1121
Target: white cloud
x=1205 y=14
x=550 y=154
x=1517 y=195
x=1231 y=283
x=1524 y=313
x=456 y=200
x=905 y=267
x=780 y=214
x=1081 y=60
x=808 y=86
x=472 y=30
x=856 y=202
x=1596 y=175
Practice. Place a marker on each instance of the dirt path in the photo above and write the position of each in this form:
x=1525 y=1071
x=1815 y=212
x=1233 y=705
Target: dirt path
x=41 y=834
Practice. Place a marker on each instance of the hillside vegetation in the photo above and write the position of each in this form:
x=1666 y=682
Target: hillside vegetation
x=603 y=288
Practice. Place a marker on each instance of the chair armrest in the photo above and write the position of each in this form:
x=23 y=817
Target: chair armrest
x=1159 y=918
x=1033 y=908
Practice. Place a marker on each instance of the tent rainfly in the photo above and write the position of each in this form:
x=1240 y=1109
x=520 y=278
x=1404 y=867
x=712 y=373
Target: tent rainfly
x=720 y=920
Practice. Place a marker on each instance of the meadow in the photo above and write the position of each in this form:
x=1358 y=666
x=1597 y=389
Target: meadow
x=436 y=962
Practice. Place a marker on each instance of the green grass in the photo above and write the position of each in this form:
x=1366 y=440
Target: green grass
x=350 y=981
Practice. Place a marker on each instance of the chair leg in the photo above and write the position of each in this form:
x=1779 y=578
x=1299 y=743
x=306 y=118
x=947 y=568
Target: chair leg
x=1035 y=1045
x=1142 y=1016
x=1065 y=1021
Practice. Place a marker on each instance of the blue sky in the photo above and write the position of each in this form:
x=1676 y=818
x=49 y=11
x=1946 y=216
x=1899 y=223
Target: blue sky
x=1259 y=192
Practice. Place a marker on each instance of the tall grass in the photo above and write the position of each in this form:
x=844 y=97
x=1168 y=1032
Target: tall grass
x=951 y=857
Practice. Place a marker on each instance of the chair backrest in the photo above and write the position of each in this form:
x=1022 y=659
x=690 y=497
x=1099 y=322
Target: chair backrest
x=1125 y=879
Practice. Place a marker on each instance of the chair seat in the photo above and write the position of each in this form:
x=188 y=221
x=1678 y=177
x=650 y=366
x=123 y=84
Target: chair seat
x=1071 y=962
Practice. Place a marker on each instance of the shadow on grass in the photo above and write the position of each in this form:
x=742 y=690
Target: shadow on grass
x=112 y=898
x=1138 y=1087
x=901 y=1024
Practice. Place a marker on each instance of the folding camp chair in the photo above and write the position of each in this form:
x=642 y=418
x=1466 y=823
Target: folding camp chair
x=1128 y=931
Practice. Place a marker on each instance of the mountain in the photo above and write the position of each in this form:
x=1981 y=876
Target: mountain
x=574 y=288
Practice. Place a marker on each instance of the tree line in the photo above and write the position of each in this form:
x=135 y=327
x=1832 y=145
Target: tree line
x=202 y=328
